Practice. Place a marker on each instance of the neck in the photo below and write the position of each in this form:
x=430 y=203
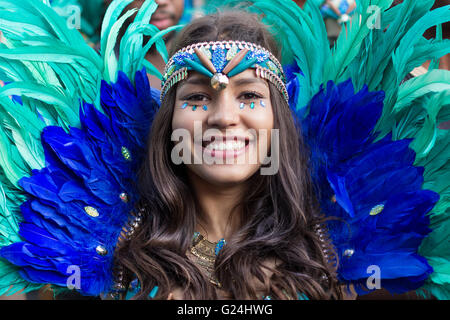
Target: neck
x=219 y=217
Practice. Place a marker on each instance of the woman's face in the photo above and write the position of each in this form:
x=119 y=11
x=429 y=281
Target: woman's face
x=225 y=130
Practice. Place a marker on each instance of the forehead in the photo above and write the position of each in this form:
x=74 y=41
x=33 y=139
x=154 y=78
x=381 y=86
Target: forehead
x=245 y=78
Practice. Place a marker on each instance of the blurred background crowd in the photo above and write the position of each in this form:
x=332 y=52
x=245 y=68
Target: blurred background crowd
x=172 y=12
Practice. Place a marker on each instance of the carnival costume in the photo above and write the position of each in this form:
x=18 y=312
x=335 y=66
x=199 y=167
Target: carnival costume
x=74 y=125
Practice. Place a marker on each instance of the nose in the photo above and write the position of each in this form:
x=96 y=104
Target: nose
x=224 y=113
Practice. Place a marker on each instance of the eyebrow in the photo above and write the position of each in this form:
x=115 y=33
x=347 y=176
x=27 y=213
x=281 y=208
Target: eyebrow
x=207 y=81
x=245 y=81
x=196 y=81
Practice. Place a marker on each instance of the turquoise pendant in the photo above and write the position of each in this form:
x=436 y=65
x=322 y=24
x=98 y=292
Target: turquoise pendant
x=219 y=246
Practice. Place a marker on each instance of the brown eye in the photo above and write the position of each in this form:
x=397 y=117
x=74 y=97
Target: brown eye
x=196 y=97
x=250 y=96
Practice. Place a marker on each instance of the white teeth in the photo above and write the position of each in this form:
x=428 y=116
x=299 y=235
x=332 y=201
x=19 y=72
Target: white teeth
x=229 y=145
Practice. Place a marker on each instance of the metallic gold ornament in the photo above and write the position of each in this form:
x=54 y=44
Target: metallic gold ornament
x=91 y=211
x=376 y=210
x=126 y=154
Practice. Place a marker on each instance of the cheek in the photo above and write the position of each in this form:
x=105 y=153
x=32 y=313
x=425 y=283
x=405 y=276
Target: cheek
x=186 y=119
x=178 y=7
x=259 y=119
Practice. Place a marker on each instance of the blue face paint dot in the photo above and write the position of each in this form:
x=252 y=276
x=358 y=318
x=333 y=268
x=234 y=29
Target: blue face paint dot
x=205 y=108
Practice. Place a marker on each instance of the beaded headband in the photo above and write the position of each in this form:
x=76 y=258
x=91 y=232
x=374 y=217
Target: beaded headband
x=222 y=60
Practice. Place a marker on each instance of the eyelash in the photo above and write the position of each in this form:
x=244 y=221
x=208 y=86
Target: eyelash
x=195 y=95
x=244 y=96
x=255 y=95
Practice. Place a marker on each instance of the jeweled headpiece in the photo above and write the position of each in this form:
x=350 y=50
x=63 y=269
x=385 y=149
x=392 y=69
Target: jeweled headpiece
x=222 y=60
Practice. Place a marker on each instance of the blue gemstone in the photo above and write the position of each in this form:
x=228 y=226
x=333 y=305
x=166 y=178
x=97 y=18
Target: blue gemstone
x=219 y=246
x=262 y=104
x=250 y=55
x=252 y=105
x=179 y=58
x=205 y=108
x=261 y=56
x=184 y=105
x=242 y=105
x=219 y=59
x=194 y=108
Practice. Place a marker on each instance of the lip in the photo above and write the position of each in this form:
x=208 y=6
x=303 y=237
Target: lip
x=161 y=21
x=224 y=154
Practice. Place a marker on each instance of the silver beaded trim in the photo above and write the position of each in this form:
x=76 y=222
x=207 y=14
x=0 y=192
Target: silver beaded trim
x=134 y=223
x=324 y=239
x=269 y=75
x=118 y=287
x=173 y=79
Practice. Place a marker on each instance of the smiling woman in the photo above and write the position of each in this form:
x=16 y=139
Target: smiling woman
x=263 y=223
x=230 y=124
x=267 y=167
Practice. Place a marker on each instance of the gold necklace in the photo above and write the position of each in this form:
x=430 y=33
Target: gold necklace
x=204 y=252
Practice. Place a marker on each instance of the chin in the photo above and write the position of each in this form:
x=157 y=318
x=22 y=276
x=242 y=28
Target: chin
x=225 y=175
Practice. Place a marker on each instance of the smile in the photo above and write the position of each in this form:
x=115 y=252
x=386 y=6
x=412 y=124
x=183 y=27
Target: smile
x=224 y=147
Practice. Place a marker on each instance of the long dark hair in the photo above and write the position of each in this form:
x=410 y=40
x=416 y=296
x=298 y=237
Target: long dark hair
x=279 y=216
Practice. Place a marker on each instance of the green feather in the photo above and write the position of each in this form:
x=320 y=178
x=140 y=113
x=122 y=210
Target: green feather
x=111 y=16
x=110 y=60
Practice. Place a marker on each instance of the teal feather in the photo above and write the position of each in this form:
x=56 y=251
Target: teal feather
x=432 y=81
x=198 y=67
x=109 y=58
x=156 y=38
x=111 y=16
x=351 y=39
x=404 y=51
x=67 y=108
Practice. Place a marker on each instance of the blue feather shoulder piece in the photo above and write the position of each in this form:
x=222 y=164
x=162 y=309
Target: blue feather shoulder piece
x=79 y=202
x=371 y=188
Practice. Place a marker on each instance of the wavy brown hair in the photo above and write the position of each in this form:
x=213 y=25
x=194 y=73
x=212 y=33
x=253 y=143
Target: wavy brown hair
x=279 y=213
